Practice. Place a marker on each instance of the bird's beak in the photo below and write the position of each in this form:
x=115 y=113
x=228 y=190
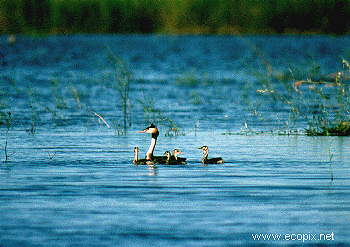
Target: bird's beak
x=141 y=131
x=199 y=148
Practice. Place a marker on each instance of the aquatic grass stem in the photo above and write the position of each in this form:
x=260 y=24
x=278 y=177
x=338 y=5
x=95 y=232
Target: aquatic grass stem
x=155 y=115
x=330 y=155
x=101 y=118
x=325 y=106
x=122 y=85
x=8 y=127
x=76 y=96
x=34 y=116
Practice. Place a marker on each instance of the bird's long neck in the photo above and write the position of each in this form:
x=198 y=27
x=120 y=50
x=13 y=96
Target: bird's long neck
x=136 y=156
x=175 y=156
x=205 y=156
x=149 y=153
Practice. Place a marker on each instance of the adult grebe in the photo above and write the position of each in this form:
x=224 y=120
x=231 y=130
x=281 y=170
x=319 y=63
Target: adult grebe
x=205 y=159
x=138 y=161
x=152 y=129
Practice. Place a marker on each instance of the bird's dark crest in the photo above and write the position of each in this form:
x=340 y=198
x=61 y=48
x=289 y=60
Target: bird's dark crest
x=151 y=126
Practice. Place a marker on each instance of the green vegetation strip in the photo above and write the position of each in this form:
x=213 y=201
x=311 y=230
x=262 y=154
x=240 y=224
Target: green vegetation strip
x=174 y=16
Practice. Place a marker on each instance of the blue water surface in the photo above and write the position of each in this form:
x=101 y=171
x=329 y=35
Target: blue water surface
x=69 y=180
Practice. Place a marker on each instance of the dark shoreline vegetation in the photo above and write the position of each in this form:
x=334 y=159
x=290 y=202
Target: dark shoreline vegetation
x=175 y=16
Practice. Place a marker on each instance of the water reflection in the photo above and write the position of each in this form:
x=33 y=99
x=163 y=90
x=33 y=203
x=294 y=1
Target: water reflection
x=5 y=169
x=152 y=170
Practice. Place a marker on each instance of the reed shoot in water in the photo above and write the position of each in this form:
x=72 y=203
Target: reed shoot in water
x=323 y=102
x=155 y=115
x=122 y=85
x=8 y=127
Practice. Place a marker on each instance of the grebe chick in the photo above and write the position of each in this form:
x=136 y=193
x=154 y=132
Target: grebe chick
x=160 y=159
x=168 y=157
x=205 y=159
x=164 y=160
x=176 y=152
x=171 y=161
x=138 y=161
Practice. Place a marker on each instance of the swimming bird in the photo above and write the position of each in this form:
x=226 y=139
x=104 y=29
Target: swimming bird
x=152 y=129
x=205 y=159
x=138 y=161
x=167 y=155
x=171 y=161
x=175 y=157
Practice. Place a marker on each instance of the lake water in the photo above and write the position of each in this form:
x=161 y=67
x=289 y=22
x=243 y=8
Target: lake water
x=69 y=180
